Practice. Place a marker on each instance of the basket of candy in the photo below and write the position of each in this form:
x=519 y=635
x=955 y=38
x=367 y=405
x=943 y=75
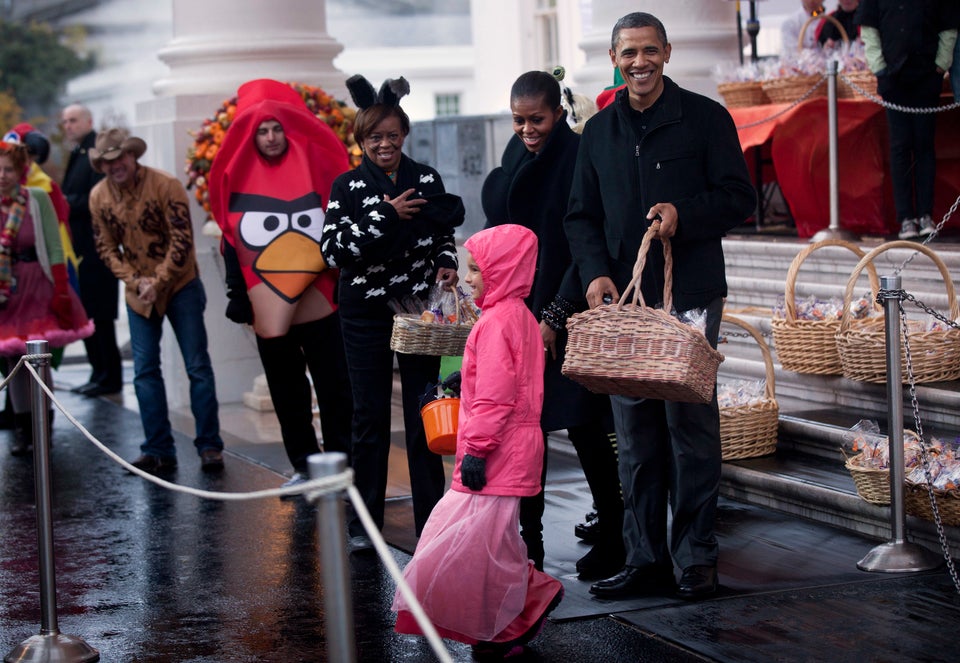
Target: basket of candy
x=939 y=481
x=804 y=334
x=635 y=350
x=934 y=346
x=802 y=76
x=741 y=86
x=868 y=459
x=749 y=414
x=438 y=326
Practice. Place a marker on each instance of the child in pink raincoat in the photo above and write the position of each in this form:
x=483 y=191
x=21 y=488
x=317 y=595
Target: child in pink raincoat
x=470 y=570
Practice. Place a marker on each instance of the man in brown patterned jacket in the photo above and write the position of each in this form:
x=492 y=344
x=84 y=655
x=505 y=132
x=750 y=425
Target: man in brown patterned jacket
x=143 y=233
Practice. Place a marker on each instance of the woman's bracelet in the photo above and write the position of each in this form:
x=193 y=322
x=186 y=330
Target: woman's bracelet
x=555 y=313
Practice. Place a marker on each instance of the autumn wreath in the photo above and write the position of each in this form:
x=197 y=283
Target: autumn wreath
x=207 y=140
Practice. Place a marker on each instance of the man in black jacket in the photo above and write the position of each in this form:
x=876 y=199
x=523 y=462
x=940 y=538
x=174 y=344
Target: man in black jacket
x=98 y=285
x=662 y=156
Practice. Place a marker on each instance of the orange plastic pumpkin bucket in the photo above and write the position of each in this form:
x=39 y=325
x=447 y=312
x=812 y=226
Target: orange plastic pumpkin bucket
x=440 y=424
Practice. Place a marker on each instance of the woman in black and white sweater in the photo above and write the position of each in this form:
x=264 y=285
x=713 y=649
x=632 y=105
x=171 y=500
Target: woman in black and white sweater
x=389 y=228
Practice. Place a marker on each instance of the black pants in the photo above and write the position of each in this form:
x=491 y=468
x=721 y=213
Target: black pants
x=912 y=152
x=366 y=336
x=670 y=451
x=598 y=458
x=104 y=355
x=316 y=345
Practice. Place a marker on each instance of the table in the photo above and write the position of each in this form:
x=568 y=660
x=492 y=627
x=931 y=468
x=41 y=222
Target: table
x=796 y=147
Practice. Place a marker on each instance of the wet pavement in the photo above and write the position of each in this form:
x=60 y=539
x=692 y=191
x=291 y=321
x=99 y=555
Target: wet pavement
x=148 y=574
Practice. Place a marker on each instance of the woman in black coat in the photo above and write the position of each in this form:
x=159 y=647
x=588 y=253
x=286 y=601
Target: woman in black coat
x=530 y=188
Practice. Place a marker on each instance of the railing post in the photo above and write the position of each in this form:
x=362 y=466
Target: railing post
x=50 y=644
x=833 y=231
x=331 y=533
x=898 y=555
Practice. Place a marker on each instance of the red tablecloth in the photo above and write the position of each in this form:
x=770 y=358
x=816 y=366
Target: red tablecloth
x=797 y=143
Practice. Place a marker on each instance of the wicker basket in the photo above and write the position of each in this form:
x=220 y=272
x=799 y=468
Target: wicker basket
x=633 y=350
x=862 y=343
x=787 y=89
x=863 y=79
x=810 y=346
x=740 y=94
x=916 y=501
x=873 y=484
x=413 y=336
x=748 y=431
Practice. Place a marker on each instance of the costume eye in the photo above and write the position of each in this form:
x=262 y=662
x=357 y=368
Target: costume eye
x=309 y=222
x=258 y=229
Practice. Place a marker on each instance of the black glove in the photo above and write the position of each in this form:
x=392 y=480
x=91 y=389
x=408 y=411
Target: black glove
x=240 y=311
x=473 y=472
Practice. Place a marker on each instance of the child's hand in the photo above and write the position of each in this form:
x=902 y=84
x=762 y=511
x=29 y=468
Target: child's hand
x=473 y=472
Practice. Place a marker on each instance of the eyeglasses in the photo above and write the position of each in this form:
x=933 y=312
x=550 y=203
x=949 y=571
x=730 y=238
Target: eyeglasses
x=376 y=139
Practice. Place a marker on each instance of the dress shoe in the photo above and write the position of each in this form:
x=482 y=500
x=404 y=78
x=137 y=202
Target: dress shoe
x=697 y=582
x=589 y=531
x=155 y=464
x=603 y=561
x=360 y=544
x=83 y=388
x=297 y=479
x=211 y=460
x=635 y=581
x=101 y=390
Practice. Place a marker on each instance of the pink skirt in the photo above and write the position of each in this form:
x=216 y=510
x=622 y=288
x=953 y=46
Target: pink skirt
x=471 y=574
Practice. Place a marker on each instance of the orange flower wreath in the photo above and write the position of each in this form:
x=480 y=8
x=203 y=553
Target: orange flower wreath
x=207 y=140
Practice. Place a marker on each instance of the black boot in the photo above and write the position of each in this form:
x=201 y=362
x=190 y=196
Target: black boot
x=22 y=434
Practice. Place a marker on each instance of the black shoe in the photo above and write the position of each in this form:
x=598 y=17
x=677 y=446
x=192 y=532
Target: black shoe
x=697 y=582
x=101 y=390
x=211 y=460
x=20 y=447
x=603 y=561
x=635 y=581
x=155 y=464
x=588 y=532
x=360 y=544
x=82 y=389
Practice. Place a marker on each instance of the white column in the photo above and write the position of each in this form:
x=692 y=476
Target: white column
x=216 y=46
x=702 y=33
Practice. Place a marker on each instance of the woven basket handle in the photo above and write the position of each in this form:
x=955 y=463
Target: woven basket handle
x=648 y=237
x=899 y=244
x=789 y=289
x=824 y=17
x=770 y=387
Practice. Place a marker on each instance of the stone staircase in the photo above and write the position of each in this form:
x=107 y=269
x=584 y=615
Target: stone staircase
x=806 y=475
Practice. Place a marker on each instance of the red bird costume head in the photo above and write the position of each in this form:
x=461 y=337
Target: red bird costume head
x=271 y=210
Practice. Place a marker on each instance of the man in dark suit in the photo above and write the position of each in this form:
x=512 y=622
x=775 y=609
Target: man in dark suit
x=98 y=286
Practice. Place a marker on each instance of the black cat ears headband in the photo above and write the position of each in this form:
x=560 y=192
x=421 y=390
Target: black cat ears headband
x=364 y=96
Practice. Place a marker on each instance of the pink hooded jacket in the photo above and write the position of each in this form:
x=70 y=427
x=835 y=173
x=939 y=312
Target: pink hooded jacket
x=502 y=374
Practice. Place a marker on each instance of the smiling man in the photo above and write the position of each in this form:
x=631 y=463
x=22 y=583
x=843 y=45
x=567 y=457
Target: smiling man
x=663 y=157
x=143 y=233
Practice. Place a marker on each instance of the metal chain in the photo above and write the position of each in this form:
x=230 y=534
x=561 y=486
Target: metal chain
x=903 y=109
x=924 y=451
x=903 y=295
x=794 y=104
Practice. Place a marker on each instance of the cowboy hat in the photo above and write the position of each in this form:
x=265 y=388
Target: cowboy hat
x=110 y=144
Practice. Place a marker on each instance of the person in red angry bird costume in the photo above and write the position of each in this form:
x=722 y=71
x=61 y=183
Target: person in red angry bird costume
x=269 y=186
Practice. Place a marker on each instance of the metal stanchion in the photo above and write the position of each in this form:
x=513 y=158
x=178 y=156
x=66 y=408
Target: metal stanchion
x=50 y=644
x=833 y=231
x=331 y=532
x=898 y=555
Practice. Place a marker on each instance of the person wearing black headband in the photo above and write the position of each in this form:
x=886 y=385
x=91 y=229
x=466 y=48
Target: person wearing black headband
x=389 y=229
